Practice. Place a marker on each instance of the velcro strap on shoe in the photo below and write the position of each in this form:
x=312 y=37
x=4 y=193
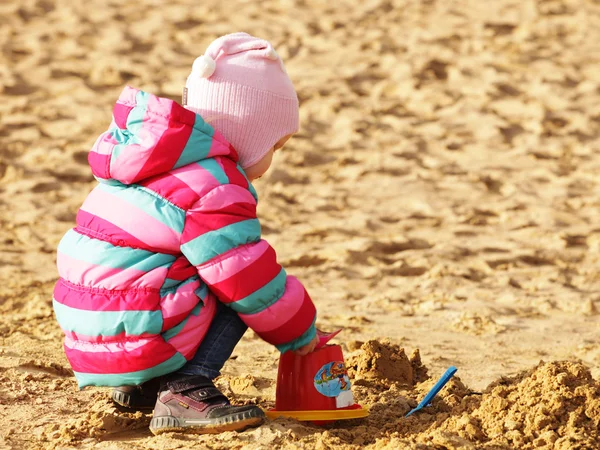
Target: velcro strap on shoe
x=207 y=394
x=181 y=384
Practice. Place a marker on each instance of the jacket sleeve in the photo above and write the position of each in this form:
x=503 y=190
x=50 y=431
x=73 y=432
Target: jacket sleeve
x=221 y=237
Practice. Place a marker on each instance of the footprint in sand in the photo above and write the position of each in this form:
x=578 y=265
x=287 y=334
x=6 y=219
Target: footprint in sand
x=46 y=187
x=305 y=261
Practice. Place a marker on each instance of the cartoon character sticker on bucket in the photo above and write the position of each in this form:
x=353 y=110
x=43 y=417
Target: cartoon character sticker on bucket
x=332 y=379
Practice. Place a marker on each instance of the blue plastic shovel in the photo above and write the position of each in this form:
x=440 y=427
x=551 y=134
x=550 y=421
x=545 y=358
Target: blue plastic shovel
x=435 y=389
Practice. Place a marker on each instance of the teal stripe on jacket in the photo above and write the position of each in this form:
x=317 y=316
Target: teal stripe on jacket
x=170 y=283
x=215 y=169
x=202 y=292
x=214 y=243
x=150 y=203
x=250 y=187
x=172 y=288
x=135 y=122
x=198 y=145
x=107 y=323
x=172 y=364
x=105 y=254
x=123 y=139
x=262 y=298
x=301 y=341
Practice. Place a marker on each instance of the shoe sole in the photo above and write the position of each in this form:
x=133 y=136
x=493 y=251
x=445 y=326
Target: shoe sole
x=169 y=424
x=123 y=400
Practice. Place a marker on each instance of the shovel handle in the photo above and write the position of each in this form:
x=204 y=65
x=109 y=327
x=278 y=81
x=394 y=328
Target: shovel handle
x=435 y=389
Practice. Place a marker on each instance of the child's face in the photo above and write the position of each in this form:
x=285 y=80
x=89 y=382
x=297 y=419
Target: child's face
x=259 y=169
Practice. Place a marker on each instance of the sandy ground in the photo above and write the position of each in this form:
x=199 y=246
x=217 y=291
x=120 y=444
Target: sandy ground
x=443 y=195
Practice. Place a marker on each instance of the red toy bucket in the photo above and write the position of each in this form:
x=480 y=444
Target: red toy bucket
x=301 y=377
x=315 y=387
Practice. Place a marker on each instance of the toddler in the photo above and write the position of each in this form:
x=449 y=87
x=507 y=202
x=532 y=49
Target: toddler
x=166 y=268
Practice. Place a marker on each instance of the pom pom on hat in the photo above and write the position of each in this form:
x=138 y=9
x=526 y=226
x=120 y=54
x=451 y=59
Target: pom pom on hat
x=204 y=66
x=272 y=54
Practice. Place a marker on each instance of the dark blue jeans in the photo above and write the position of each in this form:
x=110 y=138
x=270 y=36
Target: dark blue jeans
x=224 y=333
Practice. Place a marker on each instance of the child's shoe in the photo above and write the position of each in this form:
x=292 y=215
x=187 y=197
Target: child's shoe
x=138 y=398
x=192 y=404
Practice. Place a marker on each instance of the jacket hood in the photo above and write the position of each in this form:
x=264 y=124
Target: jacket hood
x=150 y=135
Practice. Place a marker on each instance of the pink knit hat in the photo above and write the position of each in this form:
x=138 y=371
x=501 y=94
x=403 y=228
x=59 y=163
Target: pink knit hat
x=241 y=88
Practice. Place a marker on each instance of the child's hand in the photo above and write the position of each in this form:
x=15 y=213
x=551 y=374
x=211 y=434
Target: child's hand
x=308 y=347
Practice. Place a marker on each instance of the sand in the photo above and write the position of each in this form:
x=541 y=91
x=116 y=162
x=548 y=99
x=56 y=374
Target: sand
x=442 y=196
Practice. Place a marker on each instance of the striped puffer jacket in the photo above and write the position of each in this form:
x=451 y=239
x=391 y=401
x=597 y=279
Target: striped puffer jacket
x=170 y=230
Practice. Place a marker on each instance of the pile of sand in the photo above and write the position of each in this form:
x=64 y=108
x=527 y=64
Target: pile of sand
x=384 y=361
x=555 y=405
